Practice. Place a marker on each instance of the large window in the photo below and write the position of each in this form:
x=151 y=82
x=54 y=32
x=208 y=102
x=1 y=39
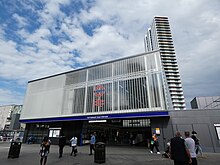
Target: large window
x=136 y=123
x=76 y=77
x=78 y=100
x=129 y=66
x=37 y=132
x=154 y=91
x=54 y=132
x=100 y=72
x=132 y=94
x=131 y=84
x=99 y=98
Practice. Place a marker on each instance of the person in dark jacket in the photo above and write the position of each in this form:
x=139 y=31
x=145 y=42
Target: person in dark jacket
x=198 y=147
x=62 y=143
x=178 y=150
x=45 y=149
x=154 y=143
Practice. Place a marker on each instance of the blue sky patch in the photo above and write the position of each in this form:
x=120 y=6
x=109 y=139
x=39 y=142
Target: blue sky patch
x=91 y=26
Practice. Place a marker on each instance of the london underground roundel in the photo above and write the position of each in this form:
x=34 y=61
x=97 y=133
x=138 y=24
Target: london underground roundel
x=99 y=91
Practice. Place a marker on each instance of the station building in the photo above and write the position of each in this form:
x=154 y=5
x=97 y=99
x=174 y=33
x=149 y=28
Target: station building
x=117 y=99
x=124 y=101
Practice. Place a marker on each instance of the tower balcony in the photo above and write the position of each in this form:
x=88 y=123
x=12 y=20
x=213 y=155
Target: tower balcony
x=176 y=94
x=169 y=64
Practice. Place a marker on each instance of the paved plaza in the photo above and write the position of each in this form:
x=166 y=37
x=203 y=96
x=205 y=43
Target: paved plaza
x=114 y=156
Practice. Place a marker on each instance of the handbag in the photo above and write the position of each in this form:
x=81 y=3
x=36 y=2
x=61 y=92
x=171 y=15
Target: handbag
x=152 y=142
x=41 y=153
x=76 y=151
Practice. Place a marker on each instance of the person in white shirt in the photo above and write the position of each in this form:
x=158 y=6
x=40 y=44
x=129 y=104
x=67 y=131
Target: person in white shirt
x=73 y=142
x=190 y=144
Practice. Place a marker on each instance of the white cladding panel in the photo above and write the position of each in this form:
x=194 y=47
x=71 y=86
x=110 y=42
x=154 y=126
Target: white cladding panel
x=44 y=98
x=128 y=85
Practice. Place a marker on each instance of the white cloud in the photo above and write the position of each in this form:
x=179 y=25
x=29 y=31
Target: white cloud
x=195 y=27
x=28 y=64
x=20 y=20
x=8 y=97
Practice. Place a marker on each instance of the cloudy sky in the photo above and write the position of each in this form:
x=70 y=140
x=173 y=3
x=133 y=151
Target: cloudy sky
x=45 y=37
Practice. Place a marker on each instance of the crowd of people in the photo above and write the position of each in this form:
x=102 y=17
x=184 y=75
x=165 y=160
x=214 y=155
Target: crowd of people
x=183 y=151
x=45 y=146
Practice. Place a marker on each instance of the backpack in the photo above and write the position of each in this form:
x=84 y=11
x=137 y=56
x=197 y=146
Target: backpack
x=196 y=140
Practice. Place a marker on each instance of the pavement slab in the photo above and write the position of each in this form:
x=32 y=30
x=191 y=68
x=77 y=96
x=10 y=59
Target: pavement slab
x=115 y=155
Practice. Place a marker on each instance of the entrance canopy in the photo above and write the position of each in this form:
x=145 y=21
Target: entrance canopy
x=101 y=117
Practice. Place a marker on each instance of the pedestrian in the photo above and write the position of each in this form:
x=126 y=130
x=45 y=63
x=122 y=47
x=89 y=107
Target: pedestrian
x=73 y=143
x=166 y=153
x=154 y=143
x=92 y=142
x=44 y=151
x=178 y=151
x=190 y=144
x=198 y=147
x=29 y=140
x=62 y=143
x=117 y=138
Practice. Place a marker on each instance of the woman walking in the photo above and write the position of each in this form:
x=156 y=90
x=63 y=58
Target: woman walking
x=154 y=143
x=45 y=148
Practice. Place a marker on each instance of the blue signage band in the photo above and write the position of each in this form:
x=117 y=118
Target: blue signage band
x=97 y=117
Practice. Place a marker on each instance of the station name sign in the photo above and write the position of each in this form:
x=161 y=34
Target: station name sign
x=96 y=117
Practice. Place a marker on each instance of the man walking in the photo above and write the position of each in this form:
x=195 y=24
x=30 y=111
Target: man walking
x=73 y=142
x=92 y=143
x=190 y=144
x=178 y=151
x=62 y=143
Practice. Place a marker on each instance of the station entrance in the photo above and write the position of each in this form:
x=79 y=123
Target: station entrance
x=119 y=131
x=113 y=132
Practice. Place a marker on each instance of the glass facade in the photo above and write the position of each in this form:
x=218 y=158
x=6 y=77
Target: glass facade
x=136 y=123
x=129 y=85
